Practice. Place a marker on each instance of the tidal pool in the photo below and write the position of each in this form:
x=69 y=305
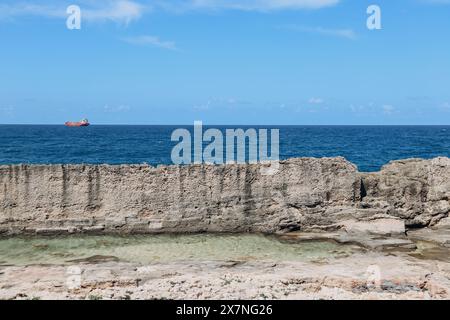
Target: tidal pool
x=163 y=248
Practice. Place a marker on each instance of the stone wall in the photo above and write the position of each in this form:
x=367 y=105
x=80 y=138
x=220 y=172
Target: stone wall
x=306 y=194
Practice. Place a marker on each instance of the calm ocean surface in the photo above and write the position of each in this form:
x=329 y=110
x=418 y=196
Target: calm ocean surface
x=369 y=147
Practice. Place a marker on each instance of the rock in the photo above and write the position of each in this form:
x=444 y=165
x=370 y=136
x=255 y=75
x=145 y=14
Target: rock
x=361 y=239
x=415 y=190
x=95 y=259
x=438 y=236
x=324 y=194
x=386 y=227
x=443 y=224
x=399 y=277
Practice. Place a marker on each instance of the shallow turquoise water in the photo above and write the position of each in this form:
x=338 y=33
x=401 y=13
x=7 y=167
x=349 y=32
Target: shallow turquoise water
x=163 y=248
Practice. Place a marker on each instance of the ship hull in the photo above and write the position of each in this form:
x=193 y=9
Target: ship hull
x=76 y=124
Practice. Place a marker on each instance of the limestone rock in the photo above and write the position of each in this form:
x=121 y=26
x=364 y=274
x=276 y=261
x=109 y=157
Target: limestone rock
x=385 y=227
x=415 y=190
x=306 y=194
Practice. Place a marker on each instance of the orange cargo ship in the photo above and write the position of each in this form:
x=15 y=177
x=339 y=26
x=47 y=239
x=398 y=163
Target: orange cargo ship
x=82 y=123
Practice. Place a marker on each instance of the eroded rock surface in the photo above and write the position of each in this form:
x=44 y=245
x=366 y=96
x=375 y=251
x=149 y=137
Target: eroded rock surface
x=360 y=276
x=307 y=194
x=414 y=190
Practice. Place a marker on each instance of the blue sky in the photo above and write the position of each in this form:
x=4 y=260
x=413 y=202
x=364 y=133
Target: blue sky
x=225 y=62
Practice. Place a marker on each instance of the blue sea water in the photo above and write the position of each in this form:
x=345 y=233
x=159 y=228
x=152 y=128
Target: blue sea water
x=369 y=147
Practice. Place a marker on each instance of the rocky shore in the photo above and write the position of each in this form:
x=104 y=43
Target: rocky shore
x=365 y=275
x=391 y=215
x=307 y=194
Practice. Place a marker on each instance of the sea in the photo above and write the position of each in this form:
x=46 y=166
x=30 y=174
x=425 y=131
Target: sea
x=369 y=147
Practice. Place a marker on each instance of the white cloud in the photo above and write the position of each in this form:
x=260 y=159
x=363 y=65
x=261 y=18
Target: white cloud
x=316 y=101
x=126 y=11
x=115 y=109
x=357 y=109
x=445 y=106
x=218 y=102
x=7 y=110
x=9 y=11
x=202 y=107
x=261 y=5
x=119 y=11
x=388 y=109
x=342 y=33
x=151 y=41
x=436 y=1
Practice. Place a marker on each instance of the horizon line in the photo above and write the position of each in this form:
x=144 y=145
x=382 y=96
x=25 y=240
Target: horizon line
x=223 y=125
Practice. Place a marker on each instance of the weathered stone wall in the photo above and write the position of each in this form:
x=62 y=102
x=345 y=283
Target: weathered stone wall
x=415 y=190
x=305 y=194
